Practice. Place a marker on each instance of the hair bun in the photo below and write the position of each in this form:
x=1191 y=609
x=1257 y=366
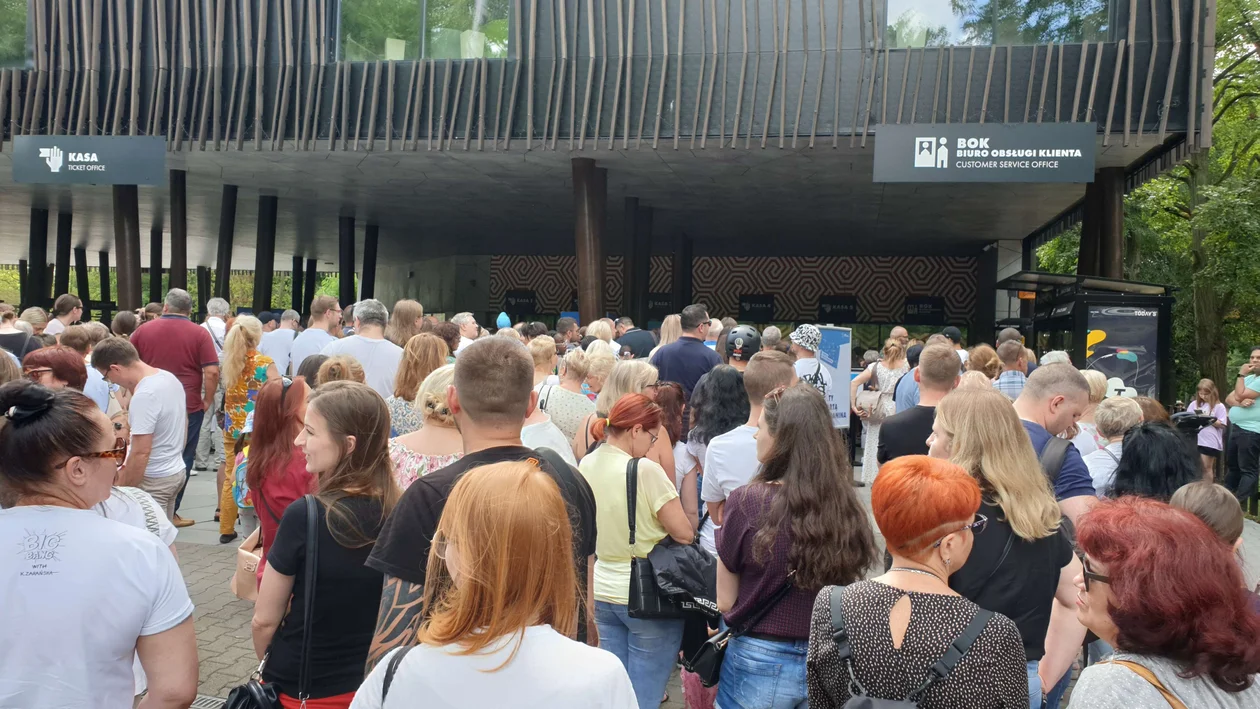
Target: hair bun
x=23 y=401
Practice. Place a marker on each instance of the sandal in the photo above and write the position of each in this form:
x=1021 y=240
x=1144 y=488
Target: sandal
x=216 y=515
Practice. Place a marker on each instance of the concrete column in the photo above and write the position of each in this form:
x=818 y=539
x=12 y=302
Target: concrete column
x=155 y=265
x=642 y=265
x=309 y=289
x=36 y=286
x=1087 y=257
x=203 y=289
x=629 y=232
x=127 y=246
x=61 y=277
x=345 y=260
x=1110 y=182
x=590 y=194
x=24 y=283
x=227 y=230
x=682 y=271
x=297 y=284
x=985 y=314
x=107 y=315
x=179 y=229
x=367 y=284
x=265 y=252
x=81 y=280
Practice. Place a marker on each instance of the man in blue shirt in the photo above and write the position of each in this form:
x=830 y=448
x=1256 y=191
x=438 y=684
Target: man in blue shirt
x=688 y=359
x=1053 y=399
x=906 y=392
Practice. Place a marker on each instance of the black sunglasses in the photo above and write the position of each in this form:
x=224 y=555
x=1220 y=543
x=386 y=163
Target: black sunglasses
x=1088 y=575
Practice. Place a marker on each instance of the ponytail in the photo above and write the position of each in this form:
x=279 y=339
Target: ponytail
x=630 y=410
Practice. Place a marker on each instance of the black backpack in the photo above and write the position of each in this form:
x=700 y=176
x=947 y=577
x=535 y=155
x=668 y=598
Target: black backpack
x=859 y=699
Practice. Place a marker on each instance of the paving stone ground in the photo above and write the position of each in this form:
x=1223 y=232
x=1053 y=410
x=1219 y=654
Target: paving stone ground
x=224 y=643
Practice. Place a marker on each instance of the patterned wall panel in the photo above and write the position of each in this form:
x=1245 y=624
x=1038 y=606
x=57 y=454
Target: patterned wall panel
x=552 y=278
x=661 y=276
x=880 y=283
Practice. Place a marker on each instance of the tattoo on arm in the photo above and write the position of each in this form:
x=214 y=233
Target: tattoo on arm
x=398 y=619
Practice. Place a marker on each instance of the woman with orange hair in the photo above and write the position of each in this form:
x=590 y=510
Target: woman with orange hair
x=501 y=602
x=647 y=648
x=895 y=629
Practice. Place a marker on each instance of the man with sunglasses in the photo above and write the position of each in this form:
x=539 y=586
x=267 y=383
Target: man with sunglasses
x=159 y=426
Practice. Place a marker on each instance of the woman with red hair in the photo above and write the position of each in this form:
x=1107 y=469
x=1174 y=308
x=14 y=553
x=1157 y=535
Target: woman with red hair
x=896 y=629
x=56 y=367
x=629 y=432
x=1160 y=587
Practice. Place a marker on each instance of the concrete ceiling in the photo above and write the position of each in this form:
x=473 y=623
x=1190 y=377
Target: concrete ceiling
x=732 y=201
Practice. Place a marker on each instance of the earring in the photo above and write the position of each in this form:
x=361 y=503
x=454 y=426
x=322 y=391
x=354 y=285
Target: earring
x=948 y=562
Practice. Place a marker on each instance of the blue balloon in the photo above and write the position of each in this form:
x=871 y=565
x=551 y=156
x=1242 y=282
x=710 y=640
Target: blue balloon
x=503 y=321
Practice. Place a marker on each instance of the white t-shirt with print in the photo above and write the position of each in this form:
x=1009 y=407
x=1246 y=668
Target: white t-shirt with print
x=729 y=462
x=549 y=671
x=158 y=408
x=76 y=591
x=811 y=371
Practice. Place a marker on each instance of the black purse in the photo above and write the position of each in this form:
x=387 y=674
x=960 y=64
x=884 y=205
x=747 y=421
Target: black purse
x=255 y=694
x=646 y=600
x=707 y=662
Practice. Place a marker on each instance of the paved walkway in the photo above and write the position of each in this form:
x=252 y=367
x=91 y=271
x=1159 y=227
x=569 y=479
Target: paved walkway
x=224 y=642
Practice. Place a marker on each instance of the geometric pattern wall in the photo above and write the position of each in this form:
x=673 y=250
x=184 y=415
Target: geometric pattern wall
x=881 y=283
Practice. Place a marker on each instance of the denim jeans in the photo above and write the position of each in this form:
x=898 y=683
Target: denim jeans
x=190 y=450
x=1034 y=685
x=647 y=648
x=1055 y=696
x=763 y=674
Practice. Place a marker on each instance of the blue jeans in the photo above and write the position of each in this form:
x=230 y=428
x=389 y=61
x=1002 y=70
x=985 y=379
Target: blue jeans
x=190 y=451
x=647 y=648
x=1034 y=686
x=763 y=674
x=1054 y=696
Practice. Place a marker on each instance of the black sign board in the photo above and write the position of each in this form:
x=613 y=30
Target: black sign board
x=660 y=305
x=985 y=152
x=924 y=310
x=837 y=309
x=89 y=160
x=519 y=302
x=757 y=308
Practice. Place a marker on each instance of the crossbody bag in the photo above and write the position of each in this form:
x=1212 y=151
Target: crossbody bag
x=707 y=662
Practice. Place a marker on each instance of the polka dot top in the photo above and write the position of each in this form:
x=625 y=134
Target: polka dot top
x=992 y=674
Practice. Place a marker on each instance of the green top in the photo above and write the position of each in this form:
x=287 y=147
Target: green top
x=1247 y=418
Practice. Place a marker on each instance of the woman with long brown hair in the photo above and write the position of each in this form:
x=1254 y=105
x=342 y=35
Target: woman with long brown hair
x=344 y=438
x=422 y=354
x=796 y=527
x=405 y=320
x=501 y=603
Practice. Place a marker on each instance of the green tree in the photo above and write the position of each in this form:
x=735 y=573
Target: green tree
x=12 y=32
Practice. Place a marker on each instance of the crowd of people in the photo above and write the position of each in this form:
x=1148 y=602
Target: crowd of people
x=536 y=517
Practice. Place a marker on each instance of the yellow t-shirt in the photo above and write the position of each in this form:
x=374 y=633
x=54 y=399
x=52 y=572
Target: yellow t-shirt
x=605 y=471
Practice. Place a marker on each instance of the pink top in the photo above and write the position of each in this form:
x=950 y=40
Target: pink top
x=1210 y=437
x=279 y=490
x=410 y=465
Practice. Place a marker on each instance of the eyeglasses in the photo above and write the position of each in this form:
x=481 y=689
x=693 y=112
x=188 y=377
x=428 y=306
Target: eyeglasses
x=653 y=437
x=975 y=527
x=440 y=544
x=35 y=373
x=1088 y=575
x=118 y=454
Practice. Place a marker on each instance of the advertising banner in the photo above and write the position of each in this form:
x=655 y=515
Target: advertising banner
x=1123 y=344
x=89 y=160
x=835 y=354
x=985 y=152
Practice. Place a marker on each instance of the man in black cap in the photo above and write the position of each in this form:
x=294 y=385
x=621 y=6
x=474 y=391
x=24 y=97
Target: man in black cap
x=955 y=337
x=742 y=342
x=269 y=321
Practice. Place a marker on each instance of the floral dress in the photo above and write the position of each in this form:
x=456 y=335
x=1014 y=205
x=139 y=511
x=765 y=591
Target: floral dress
x=887 y=379
x=238 y=401
x=410 y=466
x=403 y=417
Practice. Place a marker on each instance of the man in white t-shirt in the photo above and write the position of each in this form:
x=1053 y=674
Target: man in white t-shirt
x=955 y=337
x=378 y=356
x=468 y=330
x=278 y=344
x=731 y=458
x=159 y=424
x=322 y=328
x=805 y=343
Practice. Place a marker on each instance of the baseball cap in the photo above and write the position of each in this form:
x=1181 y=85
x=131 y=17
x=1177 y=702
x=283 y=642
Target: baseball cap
x=807 y=336
x=266 y=317
x=954 y=334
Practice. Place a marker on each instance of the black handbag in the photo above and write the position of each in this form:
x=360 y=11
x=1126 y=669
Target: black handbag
x=707 y=662
x=646 y=600
x=255 y=694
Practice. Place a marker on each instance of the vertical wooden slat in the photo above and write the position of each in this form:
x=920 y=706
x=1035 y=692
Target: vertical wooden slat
x=1080 y=80
x=247 y=73
x=260 y=77
x=516 y=82
x=204 y=89
x=345 y=105
x=835 y=118
x=971 y=62
x=185 y=71
x=1045 y=84
x=410 y=114
x=752 y=101
x=481 y=107
x=1150 y=70
x=573 y=70
x=1128 y=86
x=988 y=83
x=1006 y=96
x=551 y=80
x=695 y=120
x=726 y=69
x=529 y=78
x=1093 y=87
x=660 y=93
x=1192 y=106
x=64 y=76
x=800 y=94
x=822 y=72
x=1166 y=106
x=625 y=139
x=870 y=88
x=905 y=78
x=774 y=72
x=708 y=104
x=1058 y=85
x=603 y=75
x=787 y=23
x=137 y=17
x=362 y=102
x=334 y=127
x=918 y=81
x=949 y=86
x=239 y=49
x=936 y=89
x=564 y=68
x=321 y=59
x=1115 y=87
x=647 y=83
x=216 y=70
x=286 y=74
x=441 y=117
x=390 y=75
x=459 y=89
x=1032 y=75
x=590 y=72
x=373 y=104
x=857 y=96
x=682 y=25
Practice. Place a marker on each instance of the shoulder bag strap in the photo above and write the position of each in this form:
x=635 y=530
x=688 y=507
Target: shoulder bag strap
x=392 y=668
x=308 y=595
x=1052 y=457
x=765 y=608
x=955 y=652
x=840 y=636
x=544 y=396
x=1006 y=551
x=1145 y=673
x=632 y=495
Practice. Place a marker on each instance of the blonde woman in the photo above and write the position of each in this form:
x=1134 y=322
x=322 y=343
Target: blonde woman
x=883 y=376
x=245 y=370
x=341 y=368
x=565 y=403
x=1023 y=565
x=542 y=350
x=404 y=322
x=600 y=330
x=627 y=377
x=974 y=380
x=37 y=318
x=1087 y=439
x=599 y=365
x=671 y=331
x=434 y=445
x=501 y=607
x=422 y=354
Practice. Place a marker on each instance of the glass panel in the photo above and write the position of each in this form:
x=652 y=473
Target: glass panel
x=374 y=30
x=466 y=29
x=12 y=33
x=940 y=23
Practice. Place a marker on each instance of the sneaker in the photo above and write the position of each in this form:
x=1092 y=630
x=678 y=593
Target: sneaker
x=180 y=522
x=227 y=538
x=193 y=472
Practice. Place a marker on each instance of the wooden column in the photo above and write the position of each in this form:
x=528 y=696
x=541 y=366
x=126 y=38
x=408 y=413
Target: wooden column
x=642 y=266
x=227 y=230
x=590 y=193
x=309 y=289
x=265 y=252
x=179 y=229
x=61 y=277
x=82 y=285
x=156 y=294
x=297 y=284
x=1110 y=182
x=127 y=246
x=36 y=287
x=345 y=260
x=367 y=284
